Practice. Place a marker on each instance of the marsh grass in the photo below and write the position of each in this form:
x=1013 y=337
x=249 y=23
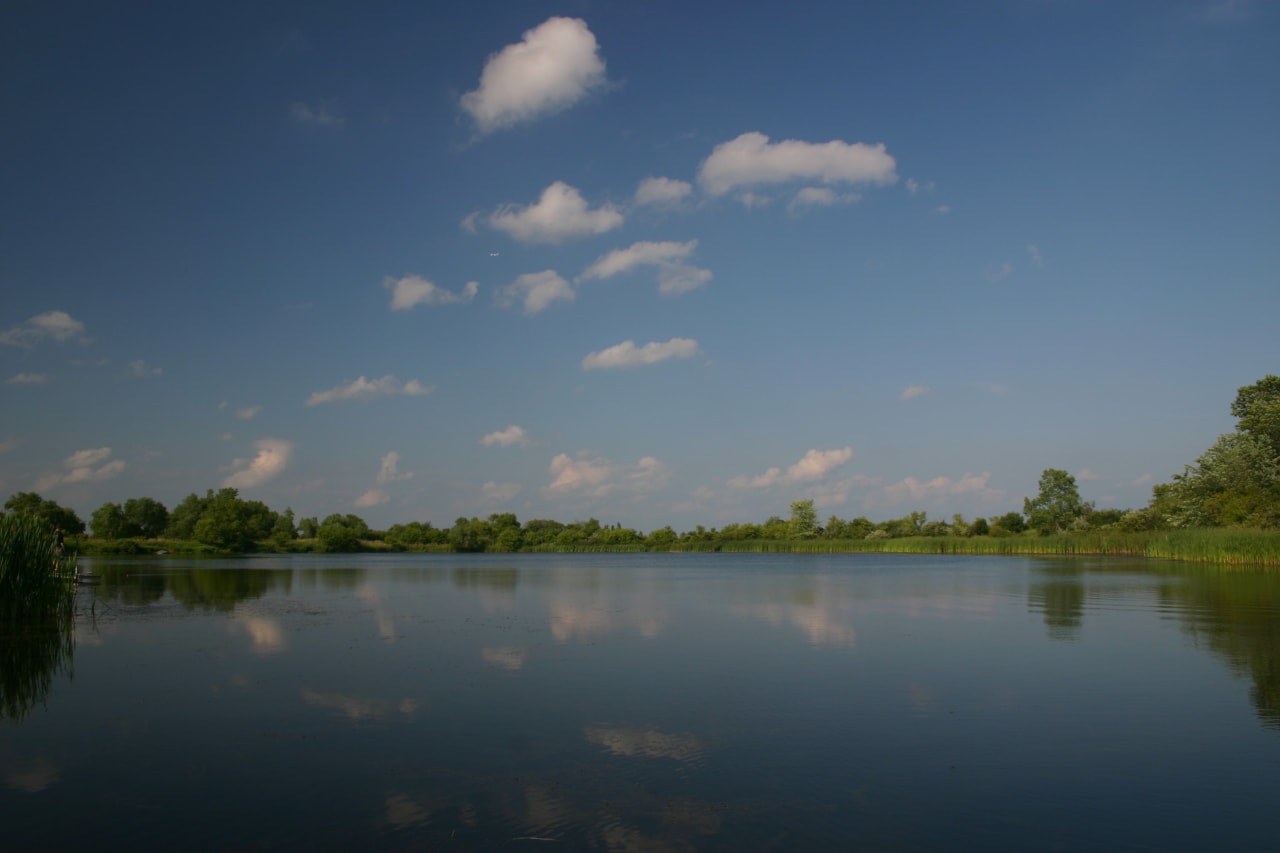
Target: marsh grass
x=37 y=598
x=35 y=580
x=1227 y=547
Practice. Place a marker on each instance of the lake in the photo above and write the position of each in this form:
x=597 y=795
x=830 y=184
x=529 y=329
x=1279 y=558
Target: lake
x=650 y=702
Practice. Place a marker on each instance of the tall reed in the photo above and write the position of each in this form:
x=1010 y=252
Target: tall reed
x=35 y=580
x=37 y=600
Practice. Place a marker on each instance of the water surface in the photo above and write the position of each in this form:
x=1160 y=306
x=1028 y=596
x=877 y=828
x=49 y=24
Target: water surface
x=652 y=702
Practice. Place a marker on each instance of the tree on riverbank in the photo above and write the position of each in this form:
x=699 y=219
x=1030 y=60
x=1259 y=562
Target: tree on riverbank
x=1236 y=482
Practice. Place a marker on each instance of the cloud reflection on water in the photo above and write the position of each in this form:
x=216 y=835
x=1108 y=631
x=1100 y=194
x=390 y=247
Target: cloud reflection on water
x=358 y=708
x=645 y=743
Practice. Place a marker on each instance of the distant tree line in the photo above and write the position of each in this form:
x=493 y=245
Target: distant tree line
x=1236 y=483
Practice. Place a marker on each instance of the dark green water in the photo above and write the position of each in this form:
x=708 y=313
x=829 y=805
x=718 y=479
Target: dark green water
x=649 y=703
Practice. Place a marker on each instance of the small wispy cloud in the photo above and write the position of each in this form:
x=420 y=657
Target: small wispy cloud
x=497 y=494
x=513 y=435
x=1086 y=474
x=589 y=475
x=318 y=114
x=271 y=458
x=1033 y=252
x=942 y=209
x=820 y=197
x=536 y=290
x=674 y=275
x=912 y=391
x=138 y=367
x=1002 y=271
x=414 y=290
x=365 y=389
x=247 y=413
x=662 y=191
x=82 y=466
x=27 y=379
x=813 y=466
x=58 y=326
x=627 y=354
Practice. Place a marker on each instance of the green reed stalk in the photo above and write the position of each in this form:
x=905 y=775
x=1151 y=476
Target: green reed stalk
x=34 y=579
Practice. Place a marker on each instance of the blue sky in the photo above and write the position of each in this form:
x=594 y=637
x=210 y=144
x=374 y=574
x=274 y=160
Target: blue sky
x=656 y=263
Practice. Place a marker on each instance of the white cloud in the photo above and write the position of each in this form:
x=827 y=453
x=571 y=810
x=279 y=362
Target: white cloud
x=638 y=254
x=913 y=186
x=27 y=379
x=1143 y=480
x=627 y=354
x=318 y=114
x=1086 y=474
x=247 y=413
x=1003 y=271
x=373 y=497
x=536 y=290
x=820 y=197
x=813 y=466
x=942 y=209
x=751 y=159
x=662 y=191
x=271 y=458
x=751 y=200
x=1037 y=259
x=414 y=290
x=512 y=435
x=56 y=325
x=8 y=443
x=87 y=458
x=590 y=475
x=387 y=473
x=915 y=391
x=497 y=494
x=82 y=466
x=139 y=367
x=940 y=488
x=560 y=214
x=388 y=470
x=556 y=65
x=674 y=279
x=363 y=389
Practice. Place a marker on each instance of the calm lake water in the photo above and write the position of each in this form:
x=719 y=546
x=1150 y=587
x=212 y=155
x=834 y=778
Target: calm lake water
x=649 y=703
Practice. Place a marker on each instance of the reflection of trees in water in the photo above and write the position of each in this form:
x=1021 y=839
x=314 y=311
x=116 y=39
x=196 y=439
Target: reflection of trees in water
x=1060 y=597
x=33 y=651
x=1237 y=616
x=492 y=578
x=208 y=589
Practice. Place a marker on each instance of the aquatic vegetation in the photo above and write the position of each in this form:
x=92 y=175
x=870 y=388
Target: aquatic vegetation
x=35 y=579
x=37 y=596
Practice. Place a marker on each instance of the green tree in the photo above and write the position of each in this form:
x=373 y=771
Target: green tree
x=183 y=519
x=48 y=511
x=308 y=527
x=1009 y=523
x=108 y=522
x=341 y=534
x=1257 y=409
x=145 y=517
x=1057 y=505
x=804 y=520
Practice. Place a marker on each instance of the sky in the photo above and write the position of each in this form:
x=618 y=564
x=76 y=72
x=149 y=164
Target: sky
x=657 y=263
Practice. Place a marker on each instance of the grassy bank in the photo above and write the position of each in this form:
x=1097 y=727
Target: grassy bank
x=1219 y=546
